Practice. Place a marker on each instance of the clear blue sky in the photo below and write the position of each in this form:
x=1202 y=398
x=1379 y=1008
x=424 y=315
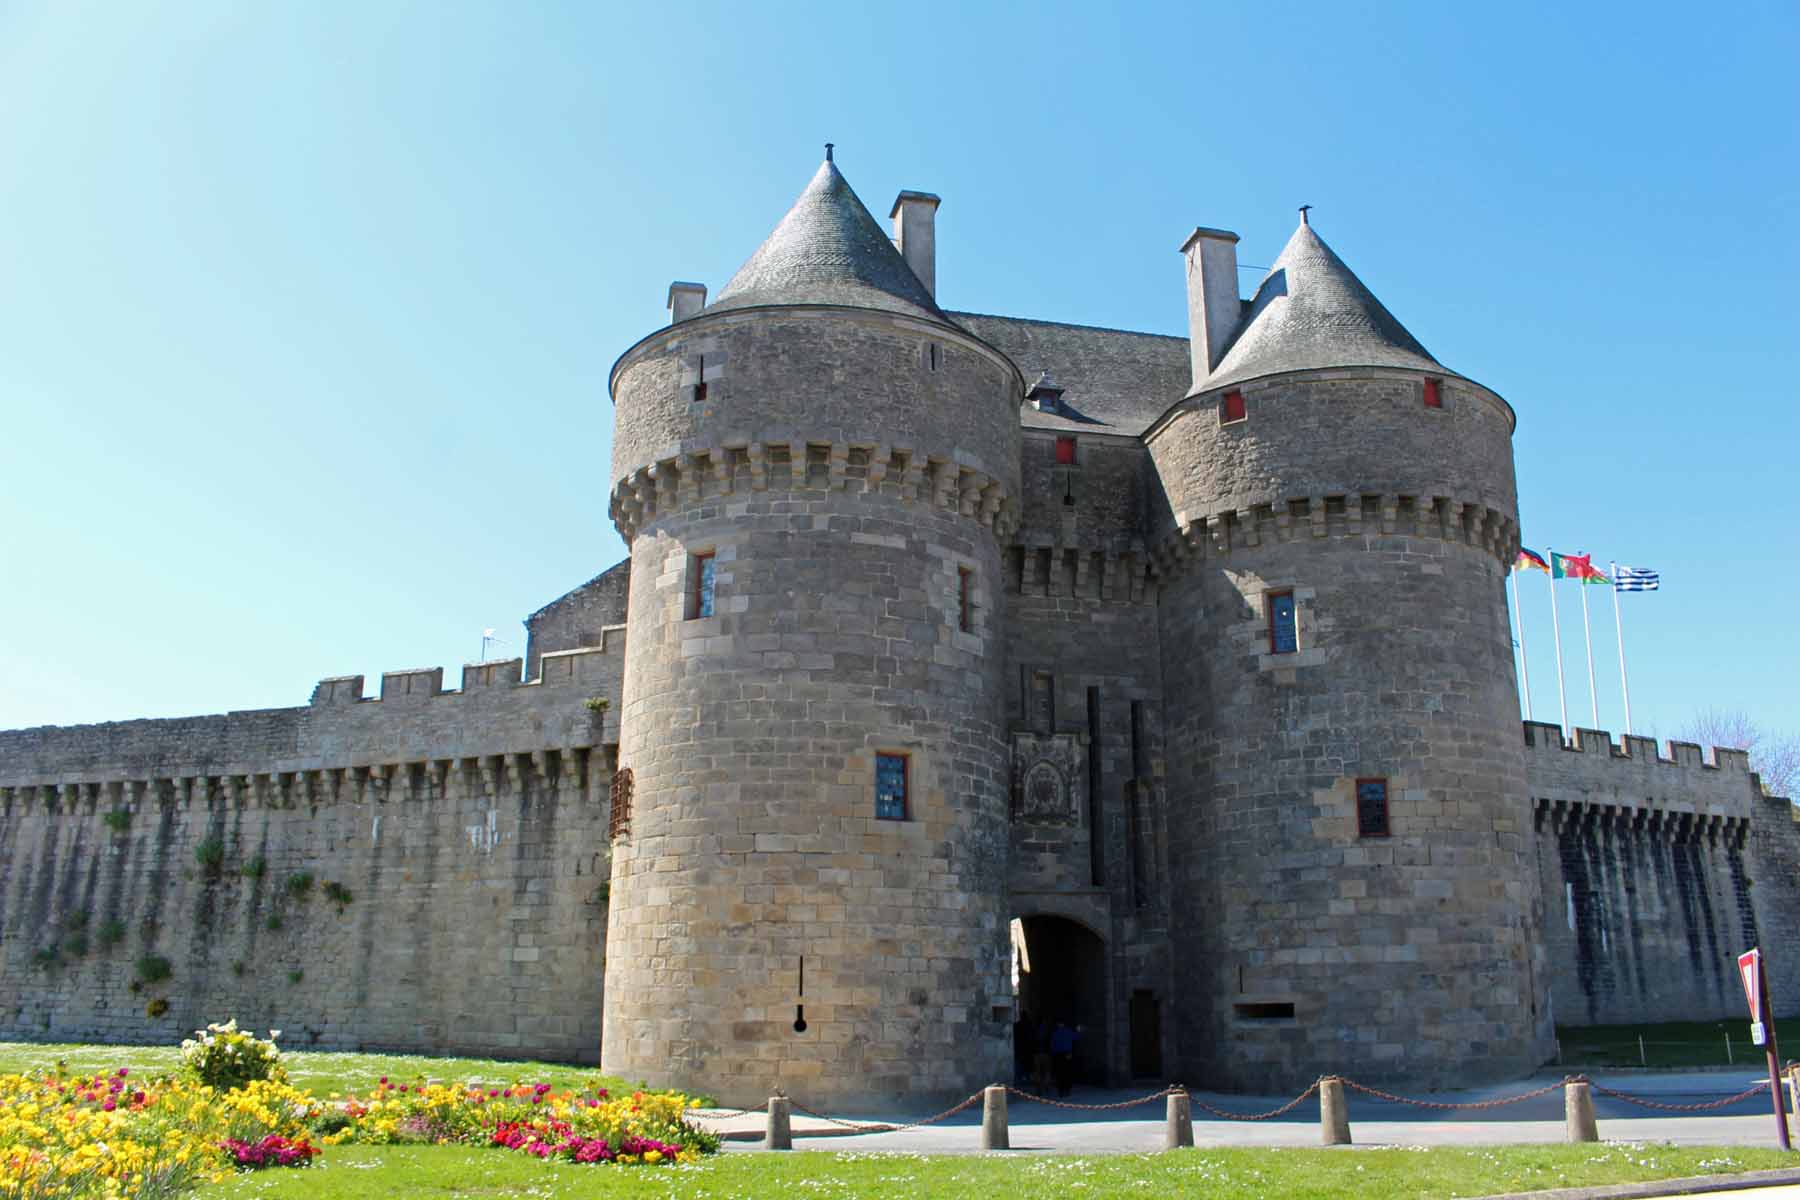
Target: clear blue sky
x=306 y=309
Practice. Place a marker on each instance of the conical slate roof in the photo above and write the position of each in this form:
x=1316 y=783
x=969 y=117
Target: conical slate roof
x=828 y=250
x=1311 y=311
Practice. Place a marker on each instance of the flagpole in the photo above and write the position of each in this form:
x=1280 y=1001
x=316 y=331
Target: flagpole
x=1619 y=633
x=1524 y=659
x=1593 y=696
x=1562 y=695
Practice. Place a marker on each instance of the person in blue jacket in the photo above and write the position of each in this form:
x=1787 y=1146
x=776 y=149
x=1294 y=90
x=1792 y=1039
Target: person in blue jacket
x=1062 y=1055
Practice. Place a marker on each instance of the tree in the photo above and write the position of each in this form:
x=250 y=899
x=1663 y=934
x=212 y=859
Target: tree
x=1773 y=756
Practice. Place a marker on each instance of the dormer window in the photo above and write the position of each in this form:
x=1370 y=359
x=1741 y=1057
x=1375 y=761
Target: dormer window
x=1231 y=408
x=1044 y=395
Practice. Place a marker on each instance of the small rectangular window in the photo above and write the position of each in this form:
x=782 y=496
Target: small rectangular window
x=1231 y=408
x=965 y=588
x=1433 y=398
x=1284 y=634
x=1371 y=808
x=890 y=787
x=700 y=595
x=1250 y=1010
x=1065 y=451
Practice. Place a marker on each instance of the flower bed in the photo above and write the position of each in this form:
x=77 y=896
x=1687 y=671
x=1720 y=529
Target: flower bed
x=643 y=1128
x=117 y=1136
x=110 y=1135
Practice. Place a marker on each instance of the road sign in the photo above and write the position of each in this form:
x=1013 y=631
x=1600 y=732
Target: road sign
x=1750 y=968
x=1762 y=1030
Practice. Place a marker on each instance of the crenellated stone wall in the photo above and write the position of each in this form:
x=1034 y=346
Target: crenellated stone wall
x=1657 y=872
x=426 y=871
x=1084 y=706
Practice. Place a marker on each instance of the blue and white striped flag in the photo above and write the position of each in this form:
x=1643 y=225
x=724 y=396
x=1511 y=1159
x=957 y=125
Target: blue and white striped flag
x=1636 y=579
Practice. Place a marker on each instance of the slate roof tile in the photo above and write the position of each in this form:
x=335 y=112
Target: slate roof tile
x=1312 y=312
x=828 y=250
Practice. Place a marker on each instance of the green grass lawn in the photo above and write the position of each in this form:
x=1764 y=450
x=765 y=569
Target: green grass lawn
x=317 y=1071
x=368 y=1173
x=1673 y=1044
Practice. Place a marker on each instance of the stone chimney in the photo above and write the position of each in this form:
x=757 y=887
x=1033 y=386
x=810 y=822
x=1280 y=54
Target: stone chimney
x=685 y=299
x=915 y=235
x=1212 y=296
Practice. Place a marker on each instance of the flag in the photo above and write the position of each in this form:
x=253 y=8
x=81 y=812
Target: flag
x=1636 y=579
x=1530 y=560
x=1575 y=566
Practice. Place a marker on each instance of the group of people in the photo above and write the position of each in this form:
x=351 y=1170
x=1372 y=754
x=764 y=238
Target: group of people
x=1044 y=1053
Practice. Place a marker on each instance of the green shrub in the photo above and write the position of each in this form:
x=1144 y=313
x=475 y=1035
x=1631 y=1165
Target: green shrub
x=597 y=704
x=299 y=884
x=338 y=894
x=118 y=820
x=255 y=868
x=154 y=968
x=330 y=1120
x=210 y=854
x=111 y=933
x=156 y=1008
x=274 y=922
x=237 y=968
x=296 y=975
x=48 y=957
x=76 y=943
x=76 y=921
x=225 y=1057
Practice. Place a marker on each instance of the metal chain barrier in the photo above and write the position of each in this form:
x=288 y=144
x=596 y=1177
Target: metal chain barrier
x=1024 y=1095
x=1227 y=1115
x=1660 y=1107
x=884 y=1128
x=1447 y=1105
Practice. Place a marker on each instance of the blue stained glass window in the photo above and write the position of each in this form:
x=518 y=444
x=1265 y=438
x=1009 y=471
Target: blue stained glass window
x=1371 y=808
x=1284 y=637
x=890 y=787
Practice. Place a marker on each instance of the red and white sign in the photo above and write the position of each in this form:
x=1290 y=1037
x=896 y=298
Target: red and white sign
x=1750 y=967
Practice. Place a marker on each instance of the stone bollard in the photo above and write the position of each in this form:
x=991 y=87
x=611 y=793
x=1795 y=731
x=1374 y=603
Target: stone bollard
x=993 y=1119
x=1578 y=1112
x=779 y=1134
x=1334 y=1114
x=1178 y=1123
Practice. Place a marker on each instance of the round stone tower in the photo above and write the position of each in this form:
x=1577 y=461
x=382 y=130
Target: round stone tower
x=1347 y=801
x=815 y=474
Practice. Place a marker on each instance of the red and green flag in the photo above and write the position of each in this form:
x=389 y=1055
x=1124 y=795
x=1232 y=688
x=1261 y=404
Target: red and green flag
x=1578 y=567
x=1530 y=560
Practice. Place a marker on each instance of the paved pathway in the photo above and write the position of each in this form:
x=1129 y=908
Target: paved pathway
x=1037 y=1128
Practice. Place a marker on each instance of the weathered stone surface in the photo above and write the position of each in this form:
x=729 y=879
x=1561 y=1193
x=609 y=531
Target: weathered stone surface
x=1070 y=643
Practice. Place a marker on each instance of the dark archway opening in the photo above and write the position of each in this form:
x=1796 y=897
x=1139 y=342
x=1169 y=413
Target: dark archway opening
x=1062 y=977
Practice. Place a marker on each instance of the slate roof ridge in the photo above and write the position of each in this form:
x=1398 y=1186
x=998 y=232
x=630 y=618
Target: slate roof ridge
x=1311 y=312
x=953 y=314
x=580 y=587
x=829 y=250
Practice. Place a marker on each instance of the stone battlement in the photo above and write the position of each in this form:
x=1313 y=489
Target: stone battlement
x=749 y=464
x=1196 y=537
x=496 y=716
x=1590 y=776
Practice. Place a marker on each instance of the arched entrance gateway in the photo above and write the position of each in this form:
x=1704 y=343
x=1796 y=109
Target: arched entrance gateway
x=1059 y=974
